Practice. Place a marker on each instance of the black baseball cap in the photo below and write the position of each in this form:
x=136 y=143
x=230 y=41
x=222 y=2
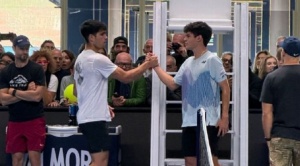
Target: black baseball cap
x=121 y=39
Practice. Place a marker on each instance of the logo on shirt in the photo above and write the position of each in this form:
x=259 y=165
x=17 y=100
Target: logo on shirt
x=203 y=61
x=78 y=69
x=19 y=82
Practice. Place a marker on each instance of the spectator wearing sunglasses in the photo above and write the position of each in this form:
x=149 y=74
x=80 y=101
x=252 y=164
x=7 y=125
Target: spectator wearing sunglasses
x=44 y=59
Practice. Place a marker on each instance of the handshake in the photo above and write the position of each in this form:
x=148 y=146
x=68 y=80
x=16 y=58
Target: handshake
x=152 y=60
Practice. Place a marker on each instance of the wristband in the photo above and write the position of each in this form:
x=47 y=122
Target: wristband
x=268 y=139
x=14 y=92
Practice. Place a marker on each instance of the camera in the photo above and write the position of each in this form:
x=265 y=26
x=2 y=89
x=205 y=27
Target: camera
x=175 y=46
x=7 y=36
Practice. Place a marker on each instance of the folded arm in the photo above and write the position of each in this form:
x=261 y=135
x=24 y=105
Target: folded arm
x=7 y=98
x=29 y=95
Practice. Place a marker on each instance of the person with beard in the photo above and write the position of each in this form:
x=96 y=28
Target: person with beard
x=120 y=45
x=21 y=89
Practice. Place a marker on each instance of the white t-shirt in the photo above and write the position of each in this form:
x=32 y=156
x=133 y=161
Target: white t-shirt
x=91 y=76
x=53 y=84
x=199 y=79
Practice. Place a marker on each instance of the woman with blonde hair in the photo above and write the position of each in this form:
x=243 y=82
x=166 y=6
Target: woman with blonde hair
x=258 y=58
x=267 y=65
x=45 y=60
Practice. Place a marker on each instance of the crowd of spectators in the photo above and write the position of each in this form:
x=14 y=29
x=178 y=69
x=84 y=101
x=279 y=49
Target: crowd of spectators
x=59 y=69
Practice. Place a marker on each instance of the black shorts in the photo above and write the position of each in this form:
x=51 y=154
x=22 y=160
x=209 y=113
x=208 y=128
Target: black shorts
x=189 y=140
x=97 y=136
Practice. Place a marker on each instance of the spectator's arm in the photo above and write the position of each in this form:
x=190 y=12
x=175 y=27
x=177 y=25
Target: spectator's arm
x=7 y=98
x=51 y=90
x=63 y=86
x=267 y=118
x=30 y=95
x=48 y=97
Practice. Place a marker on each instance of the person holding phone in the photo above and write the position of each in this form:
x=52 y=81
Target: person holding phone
x=126 y=94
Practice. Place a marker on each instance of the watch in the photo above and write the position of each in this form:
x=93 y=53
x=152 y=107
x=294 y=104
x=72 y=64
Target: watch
x=268 y=139
x=14 y=92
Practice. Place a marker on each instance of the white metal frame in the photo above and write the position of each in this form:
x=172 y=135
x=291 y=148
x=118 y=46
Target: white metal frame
x=158 y=106
x=244 y=71
x=239 y=150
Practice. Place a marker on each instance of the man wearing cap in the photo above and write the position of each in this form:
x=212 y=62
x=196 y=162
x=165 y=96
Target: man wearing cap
x=281 y=107
x=21 y=89
x=120 y=45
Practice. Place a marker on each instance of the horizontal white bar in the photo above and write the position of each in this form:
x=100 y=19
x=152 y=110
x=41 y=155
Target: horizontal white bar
x=173 y=102
x=174 y=162
x=173 y=131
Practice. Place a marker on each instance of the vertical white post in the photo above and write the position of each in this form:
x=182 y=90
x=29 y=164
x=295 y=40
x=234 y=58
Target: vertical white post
x=114 y=20
x=296 y=18
x=235 y=139
x=64 y=25
x=158 y=106
x=141 y=27
x=279 y=22
x=244 y=113
x=162 y=98
x=240 y=93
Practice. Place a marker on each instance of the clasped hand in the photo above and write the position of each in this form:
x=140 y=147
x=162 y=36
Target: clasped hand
x=153 y=60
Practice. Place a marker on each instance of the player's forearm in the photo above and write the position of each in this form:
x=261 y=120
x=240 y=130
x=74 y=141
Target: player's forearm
x=225 y=102
x=166 y=78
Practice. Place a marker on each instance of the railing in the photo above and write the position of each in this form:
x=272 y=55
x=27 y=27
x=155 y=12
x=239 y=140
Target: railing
x=135 y=137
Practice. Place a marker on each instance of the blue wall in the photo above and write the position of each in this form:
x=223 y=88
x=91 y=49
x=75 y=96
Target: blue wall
x=78 y=12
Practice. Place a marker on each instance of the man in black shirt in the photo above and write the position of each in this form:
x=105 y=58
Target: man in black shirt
x=281 y=107
x=21 y=89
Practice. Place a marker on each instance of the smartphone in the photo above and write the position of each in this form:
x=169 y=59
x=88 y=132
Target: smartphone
x=7 y=36
x=116 y=95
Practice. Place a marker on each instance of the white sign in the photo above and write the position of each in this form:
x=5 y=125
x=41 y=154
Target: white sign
x=216 y=13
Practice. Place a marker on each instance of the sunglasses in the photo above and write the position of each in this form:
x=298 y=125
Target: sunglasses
x=42 y=62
